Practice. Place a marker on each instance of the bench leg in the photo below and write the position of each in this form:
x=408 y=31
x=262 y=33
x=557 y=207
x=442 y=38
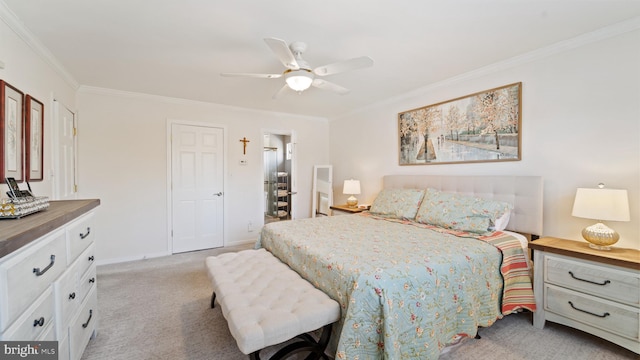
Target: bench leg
x=306 y=344
x=478 y=333
x=213 y=300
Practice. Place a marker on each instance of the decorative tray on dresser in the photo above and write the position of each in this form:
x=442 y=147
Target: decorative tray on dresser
x=591 y=290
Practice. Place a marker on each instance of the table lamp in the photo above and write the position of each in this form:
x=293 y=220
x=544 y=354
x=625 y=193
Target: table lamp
x=351 y=187
x=602 y=205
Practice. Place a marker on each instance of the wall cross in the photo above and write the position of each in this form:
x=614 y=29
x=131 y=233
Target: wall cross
x=244 y=142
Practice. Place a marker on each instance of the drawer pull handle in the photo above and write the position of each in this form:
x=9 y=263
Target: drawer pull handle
x=38 y=322
x=72 y=296
x=84 y=326
x=589 y=312
x=91 y=258
x=82 y=236
x=92 y=280
x=37 y=270
x=589 y=281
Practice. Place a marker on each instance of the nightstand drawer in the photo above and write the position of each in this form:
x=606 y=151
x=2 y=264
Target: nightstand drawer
x=595 y=279
x=615 y=318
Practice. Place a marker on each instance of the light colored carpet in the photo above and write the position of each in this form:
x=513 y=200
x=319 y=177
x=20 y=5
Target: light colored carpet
x=160 y=309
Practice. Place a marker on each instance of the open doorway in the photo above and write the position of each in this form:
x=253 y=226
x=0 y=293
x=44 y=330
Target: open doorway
x=278 y=175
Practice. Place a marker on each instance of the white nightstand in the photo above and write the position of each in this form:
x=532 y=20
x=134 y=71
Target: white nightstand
x=591 y=290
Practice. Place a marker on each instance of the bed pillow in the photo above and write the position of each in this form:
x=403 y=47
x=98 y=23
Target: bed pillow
x=397 y=203
x=460 y=212
x=501 y=223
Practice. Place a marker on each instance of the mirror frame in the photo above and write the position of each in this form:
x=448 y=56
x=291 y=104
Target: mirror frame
x=321 y=186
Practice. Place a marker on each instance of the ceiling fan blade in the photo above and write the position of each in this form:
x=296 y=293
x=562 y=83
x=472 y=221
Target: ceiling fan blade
x=282 y=52
x=280 y=92
x=342 y=66
x=325 y=85
x=262 y=76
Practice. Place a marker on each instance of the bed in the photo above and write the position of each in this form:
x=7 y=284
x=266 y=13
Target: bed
x=409 y=288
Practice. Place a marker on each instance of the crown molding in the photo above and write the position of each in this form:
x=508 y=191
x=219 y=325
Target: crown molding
x=181 y=101
x=12 y=21
x=559 y=47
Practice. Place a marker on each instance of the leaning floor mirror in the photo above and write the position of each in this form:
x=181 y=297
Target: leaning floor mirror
x=322 y=190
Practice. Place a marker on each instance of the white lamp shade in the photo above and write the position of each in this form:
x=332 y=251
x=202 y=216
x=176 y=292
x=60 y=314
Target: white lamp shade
x=601 y=204
x=351 y=187
x=299 y=80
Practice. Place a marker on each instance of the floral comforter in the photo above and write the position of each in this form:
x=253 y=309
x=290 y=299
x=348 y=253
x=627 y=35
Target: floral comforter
x=405 y=290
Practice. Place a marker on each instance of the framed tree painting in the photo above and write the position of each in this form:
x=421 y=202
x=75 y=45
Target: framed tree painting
x=34 y=138
x=11 y=127
x=481 y=127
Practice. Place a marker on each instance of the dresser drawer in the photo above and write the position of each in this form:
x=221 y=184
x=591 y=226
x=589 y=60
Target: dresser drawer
x=80 y=234
x=70 y=288
x=48 y=334
x=63 y=346
x=31 y=325
x=595 y=279
x=25 y=276
x=83 y=326
x=87 y=282
x=86 y=259
x=67 y=297
x=613 y=317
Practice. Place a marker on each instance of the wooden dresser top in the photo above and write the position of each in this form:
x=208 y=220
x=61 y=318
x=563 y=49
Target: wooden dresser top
x=16 y=233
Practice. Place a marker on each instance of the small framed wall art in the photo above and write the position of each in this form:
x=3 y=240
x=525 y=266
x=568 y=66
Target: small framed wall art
x=34 y=139
x=11 y=132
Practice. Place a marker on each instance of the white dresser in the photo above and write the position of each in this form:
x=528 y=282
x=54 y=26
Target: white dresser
x=591 y=290
x=48 y=277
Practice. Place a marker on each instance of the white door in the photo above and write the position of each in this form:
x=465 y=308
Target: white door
x=197 y=183
x=64 y=172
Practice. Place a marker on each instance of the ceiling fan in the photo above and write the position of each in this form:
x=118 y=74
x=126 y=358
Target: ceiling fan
x=299 y=75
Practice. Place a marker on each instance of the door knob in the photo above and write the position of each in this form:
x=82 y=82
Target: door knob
x=218 y=194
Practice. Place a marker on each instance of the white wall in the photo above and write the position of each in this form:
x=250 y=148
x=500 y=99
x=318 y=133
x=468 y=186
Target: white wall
x=580 y=126
x=123 y=161
x=122 y=145
x=33 y=72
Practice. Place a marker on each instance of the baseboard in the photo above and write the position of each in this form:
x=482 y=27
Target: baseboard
x=241 y=242
x=130 y=258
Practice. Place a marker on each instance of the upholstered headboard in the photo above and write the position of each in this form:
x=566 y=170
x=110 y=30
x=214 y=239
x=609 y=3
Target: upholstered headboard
x=524 y=192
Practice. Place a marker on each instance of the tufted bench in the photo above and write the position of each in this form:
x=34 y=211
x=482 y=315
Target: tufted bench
x=267 y=303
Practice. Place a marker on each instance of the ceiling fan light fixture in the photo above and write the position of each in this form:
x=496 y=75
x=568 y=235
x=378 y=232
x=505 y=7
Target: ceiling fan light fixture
x=299 y=80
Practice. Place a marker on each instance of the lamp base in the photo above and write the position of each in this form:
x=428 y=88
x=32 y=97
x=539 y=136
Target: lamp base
x=352 y=202
x=600 y=236
x=598 y=247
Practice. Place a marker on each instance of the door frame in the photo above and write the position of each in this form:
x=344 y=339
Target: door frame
x=55 y=172
x=170 y=123
x=294 y=165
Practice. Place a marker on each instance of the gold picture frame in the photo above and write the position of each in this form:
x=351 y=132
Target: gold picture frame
x=480 y=127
